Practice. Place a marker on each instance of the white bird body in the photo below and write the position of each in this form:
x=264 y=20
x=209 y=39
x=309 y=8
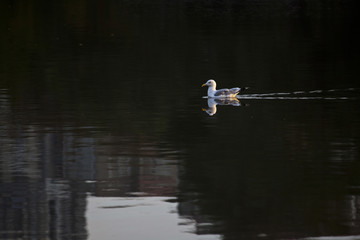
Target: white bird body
x=221 y=93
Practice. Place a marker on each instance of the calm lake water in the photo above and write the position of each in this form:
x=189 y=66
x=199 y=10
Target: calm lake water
x=105 y=132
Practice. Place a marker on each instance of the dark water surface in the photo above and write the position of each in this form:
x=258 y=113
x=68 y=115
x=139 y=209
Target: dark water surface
x=105 y=133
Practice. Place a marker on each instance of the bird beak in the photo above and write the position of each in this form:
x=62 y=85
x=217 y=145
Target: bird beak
x=203 y=85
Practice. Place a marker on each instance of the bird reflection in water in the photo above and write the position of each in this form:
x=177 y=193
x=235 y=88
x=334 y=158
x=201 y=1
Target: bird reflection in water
x=213 y=102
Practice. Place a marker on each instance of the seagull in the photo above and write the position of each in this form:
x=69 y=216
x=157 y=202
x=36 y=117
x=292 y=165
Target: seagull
x=221 y=93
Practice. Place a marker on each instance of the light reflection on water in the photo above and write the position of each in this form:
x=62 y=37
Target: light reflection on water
x=139 y=218
x=280 y=161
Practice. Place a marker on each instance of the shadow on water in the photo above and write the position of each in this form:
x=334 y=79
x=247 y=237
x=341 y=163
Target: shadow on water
x=101 y=128
x=293 y=175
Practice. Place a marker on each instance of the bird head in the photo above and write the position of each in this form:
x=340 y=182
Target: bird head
x=209 y=83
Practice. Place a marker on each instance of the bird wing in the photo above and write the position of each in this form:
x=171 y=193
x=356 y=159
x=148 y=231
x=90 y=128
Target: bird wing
x=222 y=92
x=235 y=90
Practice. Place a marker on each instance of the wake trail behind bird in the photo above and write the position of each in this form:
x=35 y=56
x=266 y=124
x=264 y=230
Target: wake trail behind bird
x=330 y=94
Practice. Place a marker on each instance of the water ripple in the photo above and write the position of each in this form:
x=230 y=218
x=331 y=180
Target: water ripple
x=331 y=94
